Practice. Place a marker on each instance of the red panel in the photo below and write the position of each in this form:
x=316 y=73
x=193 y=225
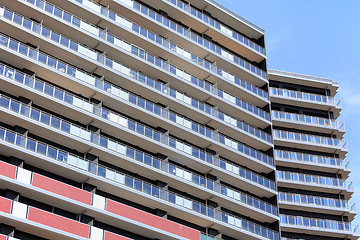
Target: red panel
x=5 y=205
x=58 y=222
x=113 y=236
x=3 y=237
x=7 y=170
x=61 y=189
x=152 y=220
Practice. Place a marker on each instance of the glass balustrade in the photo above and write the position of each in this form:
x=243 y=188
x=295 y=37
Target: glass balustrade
x=108 y=63
x=310 y=139
x=303 y=96
x=68 y=98
x=85 y=134
x=75 y=47
x=130 y=26
x=157 y=62
x=112 y=16
x=315 y=223
x=176 y=28
x=119 y=43
x=308 y=120
x=204 y=236
x=133 y=183
x=311 y=159
x=315 y=201
x=186 y=7
x=101 y=84
x=314 y=180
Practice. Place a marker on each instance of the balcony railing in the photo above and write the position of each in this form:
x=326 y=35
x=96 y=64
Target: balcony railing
x=315 y=201
x=306 y=77
x=306 y=97
x=204 y=236
x=69 y=128
x=74 y=46
x=311 y=159
x=308 y=120
x=112 y=16
x=186 y=7
x=68 y=98
x=314 y=180
x=178 y=29
x=133 y=183
x=75 y=73
x=310 y=139
x=150 y=36
x=316 y=223
x=113 y=65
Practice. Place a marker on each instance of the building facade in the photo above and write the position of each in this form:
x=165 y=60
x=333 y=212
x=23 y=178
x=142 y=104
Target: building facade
x=134 y=120
x=151 y=119
x=309 y=152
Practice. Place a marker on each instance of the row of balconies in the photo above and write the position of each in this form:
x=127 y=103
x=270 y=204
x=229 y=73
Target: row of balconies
x=198 y=46
x=314 y=183
x=54 y=63
x=306 y=122
x=55 y=94
x=317 y=204
x=312 y=162
x=310 y=141
x=172 y=202
x=59 y=194
x=112 y=67
x=303 y=99
x=112 y=145
x=318 y=226
x=214 y=25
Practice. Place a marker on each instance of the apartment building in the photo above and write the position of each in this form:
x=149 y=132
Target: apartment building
x=310 y=157
x=125 y=119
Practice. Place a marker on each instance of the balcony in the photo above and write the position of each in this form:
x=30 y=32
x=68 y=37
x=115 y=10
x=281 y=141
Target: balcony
x=306 y=80
x=230 y=83
x=307 y=123
x=167 y=50
x=309 y=203
x=54 y=123
x=310 y=142
x=308 y=100
x=213 y=28
x=312 y=162
x=72 y=72
x=73 y=46
x=230 y=122
x=167 y=28
x=172 y=202
x=317 y=226
x=314 y=183
x=113 y=69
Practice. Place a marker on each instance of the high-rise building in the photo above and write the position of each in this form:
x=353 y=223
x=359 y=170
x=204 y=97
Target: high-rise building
x=309 y=153
x=124 y=119
x=134 y=120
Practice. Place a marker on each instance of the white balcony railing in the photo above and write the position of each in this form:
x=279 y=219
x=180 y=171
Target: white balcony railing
x=314 y=180
x=305 y=97
x=307 y=120
x=310 y=139
x=316 y=160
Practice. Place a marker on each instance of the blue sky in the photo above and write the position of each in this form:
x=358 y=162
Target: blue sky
x=320 y=38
